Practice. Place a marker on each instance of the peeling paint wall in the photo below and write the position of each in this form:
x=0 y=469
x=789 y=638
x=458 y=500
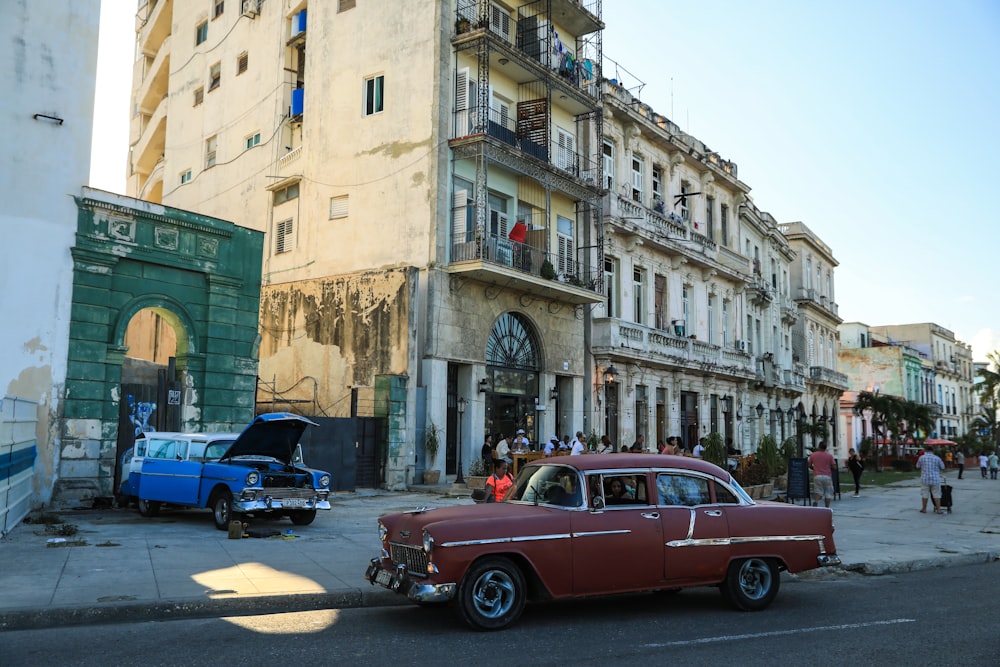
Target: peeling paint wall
x=338 y=332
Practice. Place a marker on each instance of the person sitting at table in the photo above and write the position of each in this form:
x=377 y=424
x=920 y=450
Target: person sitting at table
x=503 y=449
x=487 y=453
x=565 y=443
x=606 y=446
x=521 y=443
x=550 y=446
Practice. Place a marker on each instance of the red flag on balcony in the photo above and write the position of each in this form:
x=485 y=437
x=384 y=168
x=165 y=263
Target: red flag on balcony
x=519 y=233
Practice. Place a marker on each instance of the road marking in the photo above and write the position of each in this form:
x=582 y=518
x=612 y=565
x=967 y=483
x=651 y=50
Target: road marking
x=779 y=633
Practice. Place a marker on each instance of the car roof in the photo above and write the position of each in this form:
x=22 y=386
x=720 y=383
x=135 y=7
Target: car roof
x=587 y=462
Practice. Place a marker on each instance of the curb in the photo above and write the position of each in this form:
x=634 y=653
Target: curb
x=36 y=619
x=878 y=569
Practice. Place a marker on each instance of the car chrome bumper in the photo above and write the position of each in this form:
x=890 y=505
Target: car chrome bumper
x=399 y=581
x=268 y=504
x=826 y=560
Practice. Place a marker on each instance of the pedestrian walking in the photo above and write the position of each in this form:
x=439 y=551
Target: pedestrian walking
x=994 y=465
x=856 y=466
x=822 y=463
x=983 y=459
x=930 y=466
x=960 y=462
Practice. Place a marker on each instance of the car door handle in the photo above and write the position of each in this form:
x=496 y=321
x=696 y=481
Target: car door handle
x=650 y=515
x=713 y=512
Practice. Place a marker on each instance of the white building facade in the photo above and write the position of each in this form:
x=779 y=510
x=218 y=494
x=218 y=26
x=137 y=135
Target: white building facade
x=47 y=110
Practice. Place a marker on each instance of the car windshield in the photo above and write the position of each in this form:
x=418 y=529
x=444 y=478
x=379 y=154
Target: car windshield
x=547 y=485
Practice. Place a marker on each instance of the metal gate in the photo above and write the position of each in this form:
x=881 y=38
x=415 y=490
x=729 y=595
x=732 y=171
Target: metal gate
x=349 y=448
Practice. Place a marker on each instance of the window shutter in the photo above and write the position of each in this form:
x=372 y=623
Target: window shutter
x=565 y=255
x=284 y=236
x=565 y=149
x=462 y=102
x=338 y=206
x=458 y=215
x=500 y=22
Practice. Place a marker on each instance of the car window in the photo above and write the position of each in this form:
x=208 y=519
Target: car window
x=197 y=451
x=724 y=495
x=163 y=449
x=140 y=447
x=675 y=489
x=547 y=485
x=217 y=449
x=619 y=489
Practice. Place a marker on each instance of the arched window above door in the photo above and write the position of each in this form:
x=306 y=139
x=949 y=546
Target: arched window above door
x=513 y=344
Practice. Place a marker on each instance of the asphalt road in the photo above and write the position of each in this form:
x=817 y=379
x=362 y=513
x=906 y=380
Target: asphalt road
x=932 y=617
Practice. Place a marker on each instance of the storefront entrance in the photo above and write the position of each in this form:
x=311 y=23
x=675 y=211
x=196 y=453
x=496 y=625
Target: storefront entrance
x=512 y=365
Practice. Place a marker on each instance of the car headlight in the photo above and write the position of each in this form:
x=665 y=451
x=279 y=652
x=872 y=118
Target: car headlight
x=324 y=481
x=253 y=478
x=382 y=532
x=428 y=543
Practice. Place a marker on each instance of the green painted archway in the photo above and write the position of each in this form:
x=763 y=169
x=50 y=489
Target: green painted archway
x=202 y=276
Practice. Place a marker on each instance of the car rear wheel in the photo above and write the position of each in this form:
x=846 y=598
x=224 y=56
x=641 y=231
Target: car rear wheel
x=222 y=509
x=148 y=507
x=752 y=583
x=303 y=517
x=492 y=594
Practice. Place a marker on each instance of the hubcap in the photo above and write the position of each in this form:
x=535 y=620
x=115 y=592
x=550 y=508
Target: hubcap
x=755 y=579
x=493 y=594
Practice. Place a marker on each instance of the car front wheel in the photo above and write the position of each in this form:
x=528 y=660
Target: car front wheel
x=302 y=517
x=222 y=509
x=752 y=583
x=492 y=594
x=148 y=507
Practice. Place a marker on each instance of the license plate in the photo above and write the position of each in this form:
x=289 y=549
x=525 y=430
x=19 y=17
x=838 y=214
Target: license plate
x=293 y=502
x=384 y=578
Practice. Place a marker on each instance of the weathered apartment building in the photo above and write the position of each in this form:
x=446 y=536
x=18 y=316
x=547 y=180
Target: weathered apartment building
x=921 y=362
x=467 y=223
x=714 y=319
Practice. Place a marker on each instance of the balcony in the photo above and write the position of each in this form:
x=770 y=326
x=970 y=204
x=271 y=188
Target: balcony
x=528 y=141
x=153 y=20
x=789 y=311
x=824 y=375
x=761 y=292
x=155 y=79
x=642 y=343
x=794 y=379
x=813 y=296
x=149 y=149
x=668 y=230
x=506 y=263
x=526 y=48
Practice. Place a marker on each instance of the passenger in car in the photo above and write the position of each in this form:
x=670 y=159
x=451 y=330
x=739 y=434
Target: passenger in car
x=567 y=493
x=618 y=494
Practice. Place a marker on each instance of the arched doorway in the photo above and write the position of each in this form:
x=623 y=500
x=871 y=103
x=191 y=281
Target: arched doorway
x=513 y=362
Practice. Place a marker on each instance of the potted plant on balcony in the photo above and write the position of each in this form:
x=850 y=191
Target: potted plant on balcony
x=431 y=443
x=547 y=271
x=462 y=24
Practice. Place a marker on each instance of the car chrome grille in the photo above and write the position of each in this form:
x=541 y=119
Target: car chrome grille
x=292 y=493
x=414 y=558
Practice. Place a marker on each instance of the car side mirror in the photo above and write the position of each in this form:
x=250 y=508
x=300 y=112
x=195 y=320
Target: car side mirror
x=597 y=503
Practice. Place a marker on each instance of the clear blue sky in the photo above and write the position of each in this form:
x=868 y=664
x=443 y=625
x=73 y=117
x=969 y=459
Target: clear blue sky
x=871 y=122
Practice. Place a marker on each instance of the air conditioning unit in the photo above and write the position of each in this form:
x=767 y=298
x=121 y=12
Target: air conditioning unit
x=251 y=8
x=742 y=345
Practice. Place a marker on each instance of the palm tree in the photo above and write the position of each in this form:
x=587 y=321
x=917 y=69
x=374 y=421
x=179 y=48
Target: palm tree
x=885 y=412
x=989 y=391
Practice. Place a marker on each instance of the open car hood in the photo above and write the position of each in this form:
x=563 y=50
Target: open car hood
x=274 y=434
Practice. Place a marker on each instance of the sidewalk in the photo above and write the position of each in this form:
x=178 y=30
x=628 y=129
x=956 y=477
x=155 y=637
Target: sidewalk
x=119 y=566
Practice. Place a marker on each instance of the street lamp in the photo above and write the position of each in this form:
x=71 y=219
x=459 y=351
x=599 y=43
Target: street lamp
x=460 y=478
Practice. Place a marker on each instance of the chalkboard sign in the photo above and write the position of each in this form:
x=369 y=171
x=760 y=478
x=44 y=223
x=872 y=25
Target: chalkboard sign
x=798 y=479
x=836 y=480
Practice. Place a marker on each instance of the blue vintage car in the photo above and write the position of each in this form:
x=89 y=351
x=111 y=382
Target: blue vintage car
x=259 y=471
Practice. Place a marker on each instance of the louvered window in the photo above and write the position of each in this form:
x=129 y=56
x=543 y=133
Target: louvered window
x=284 y=236
x=500 y=22
x=338 y=207
x=564 y=247
x=565 y=149
x=242 y=62
x=465 y=103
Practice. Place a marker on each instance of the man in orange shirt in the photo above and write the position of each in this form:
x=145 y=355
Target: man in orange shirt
x=822 y=462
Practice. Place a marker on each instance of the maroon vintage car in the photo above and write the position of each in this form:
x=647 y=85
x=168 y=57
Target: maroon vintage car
x=677 y=521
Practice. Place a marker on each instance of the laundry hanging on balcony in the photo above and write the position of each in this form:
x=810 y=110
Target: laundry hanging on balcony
x=519 y=233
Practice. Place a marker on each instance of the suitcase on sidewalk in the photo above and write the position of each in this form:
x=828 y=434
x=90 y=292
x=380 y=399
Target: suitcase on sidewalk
x=946 y=498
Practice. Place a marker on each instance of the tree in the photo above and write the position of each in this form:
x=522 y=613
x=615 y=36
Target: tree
x=989 y=394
